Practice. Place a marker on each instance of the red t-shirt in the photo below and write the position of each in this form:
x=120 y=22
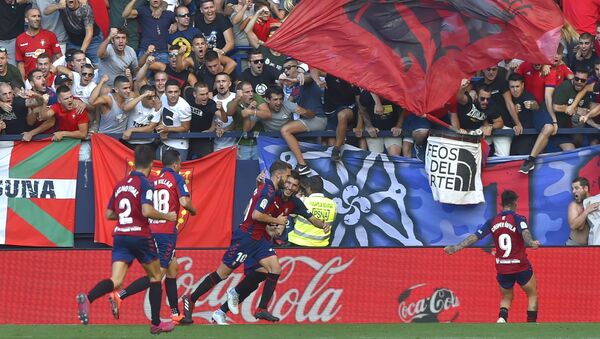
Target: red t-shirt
x=558 y=75
x=582 y=14
x=27 y=48
x=69 y=121
x=535 y=82
x=262 y=29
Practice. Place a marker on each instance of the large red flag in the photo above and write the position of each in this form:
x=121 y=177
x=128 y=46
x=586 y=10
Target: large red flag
x=210 y=180
x=415 y=52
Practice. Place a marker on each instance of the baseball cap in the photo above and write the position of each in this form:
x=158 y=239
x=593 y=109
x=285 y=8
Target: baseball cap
x=61 y=79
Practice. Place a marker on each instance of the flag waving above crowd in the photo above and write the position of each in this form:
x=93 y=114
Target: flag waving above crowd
x=416 y=52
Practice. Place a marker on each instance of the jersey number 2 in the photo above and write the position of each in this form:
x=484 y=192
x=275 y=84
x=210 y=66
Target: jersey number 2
x=125 y=216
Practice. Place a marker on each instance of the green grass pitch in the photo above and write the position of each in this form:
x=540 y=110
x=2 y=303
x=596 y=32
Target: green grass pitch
x=325 y=331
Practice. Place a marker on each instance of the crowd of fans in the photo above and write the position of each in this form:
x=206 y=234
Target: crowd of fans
x=167 y=67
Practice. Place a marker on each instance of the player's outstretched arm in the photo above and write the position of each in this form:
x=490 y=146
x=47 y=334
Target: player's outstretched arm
x=470 y=240
x=150 y=212
x=529 y=240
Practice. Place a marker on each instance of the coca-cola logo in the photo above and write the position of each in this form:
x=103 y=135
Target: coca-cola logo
x=317 y=300
x=421 y=303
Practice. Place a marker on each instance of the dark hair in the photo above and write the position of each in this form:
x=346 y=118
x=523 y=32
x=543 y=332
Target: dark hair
x=295 y=175
x=223 y=73
x=279 y=165
x=584 y=182
x=170 y=157
x=485 y=88
x=580 y=70
x=88 y=66
x=241 y=85
x=63 y=89
x=509 y=198
x=147 y=88
x=273 y=90
x=198 y=36
x=200 y=84
x=586 y=36
x=121 y=30
x=171 y=82
x=70 y=55
x=144 y=155
x=30 y=76
x=173 y=48
x=44 y=56
x=211 y=55
x=254 y=52
x=120 y=79
x=516 y=77
x=315 y=184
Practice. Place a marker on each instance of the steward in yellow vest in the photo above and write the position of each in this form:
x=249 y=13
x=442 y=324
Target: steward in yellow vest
x=305 y=234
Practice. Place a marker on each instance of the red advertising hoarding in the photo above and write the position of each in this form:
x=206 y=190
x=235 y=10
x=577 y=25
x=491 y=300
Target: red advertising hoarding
x=366 y=285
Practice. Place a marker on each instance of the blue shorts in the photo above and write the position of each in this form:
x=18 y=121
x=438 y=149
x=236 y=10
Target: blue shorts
x=166 y=247
x=538 y=120
x=126 y=248
x=507 y=281
x=412 y=122
x=332 y=117
x=243 y=248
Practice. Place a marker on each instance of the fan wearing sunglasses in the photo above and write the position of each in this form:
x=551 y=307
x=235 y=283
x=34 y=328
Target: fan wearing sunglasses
x=476 y=113
x=261 y=76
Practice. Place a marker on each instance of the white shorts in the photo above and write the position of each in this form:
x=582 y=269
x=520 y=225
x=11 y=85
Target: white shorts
x=376 y=144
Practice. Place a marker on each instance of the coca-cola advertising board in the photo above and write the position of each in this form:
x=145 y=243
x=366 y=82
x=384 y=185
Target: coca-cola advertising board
x=366 y=285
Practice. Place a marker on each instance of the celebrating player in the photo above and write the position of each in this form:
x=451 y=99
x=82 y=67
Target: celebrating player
x=254 y=274
x=511 y=234
x=248 y=240
x=170 y=192
x=131 y=204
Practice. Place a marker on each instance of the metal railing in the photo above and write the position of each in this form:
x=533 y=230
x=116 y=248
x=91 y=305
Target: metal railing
x=212 y=135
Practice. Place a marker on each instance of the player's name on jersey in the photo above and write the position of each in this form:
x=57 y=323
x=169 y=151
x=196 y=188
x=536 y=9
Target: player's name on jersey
x=504 y=224
x=128 y=229
x=127 y=188
x=38 y=188
x=507 y=261
x=165 y=182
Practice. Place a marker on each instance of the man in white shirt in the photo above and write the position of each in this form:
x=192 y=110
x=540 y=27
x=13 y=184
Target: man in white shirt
x=224 y=96
x=145 y=113
x=176 y=118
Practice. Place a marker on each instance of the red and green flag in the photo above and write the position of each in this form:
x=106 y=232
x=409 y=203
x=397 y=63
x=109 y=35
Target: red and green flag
x=38 y=181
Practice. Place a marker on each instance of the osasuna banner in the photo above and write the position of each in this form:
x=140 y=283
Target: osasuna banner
x=453 y=165
x=387 y=201
x=209 y=179
x=38 y=182
x=415 y=52
x=367 y=285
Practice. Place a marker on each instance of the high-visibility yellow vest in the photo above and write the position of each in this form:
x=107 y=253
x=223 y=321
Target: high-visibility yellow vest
x=305 y=233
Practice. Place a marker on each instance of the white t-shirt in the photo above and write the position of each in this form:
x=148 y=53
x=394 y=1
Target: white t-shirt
x=221 y=143
x=82 y=92
x=62 y=62
x=593 y=220
x=174 y=116
x=140 y=117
